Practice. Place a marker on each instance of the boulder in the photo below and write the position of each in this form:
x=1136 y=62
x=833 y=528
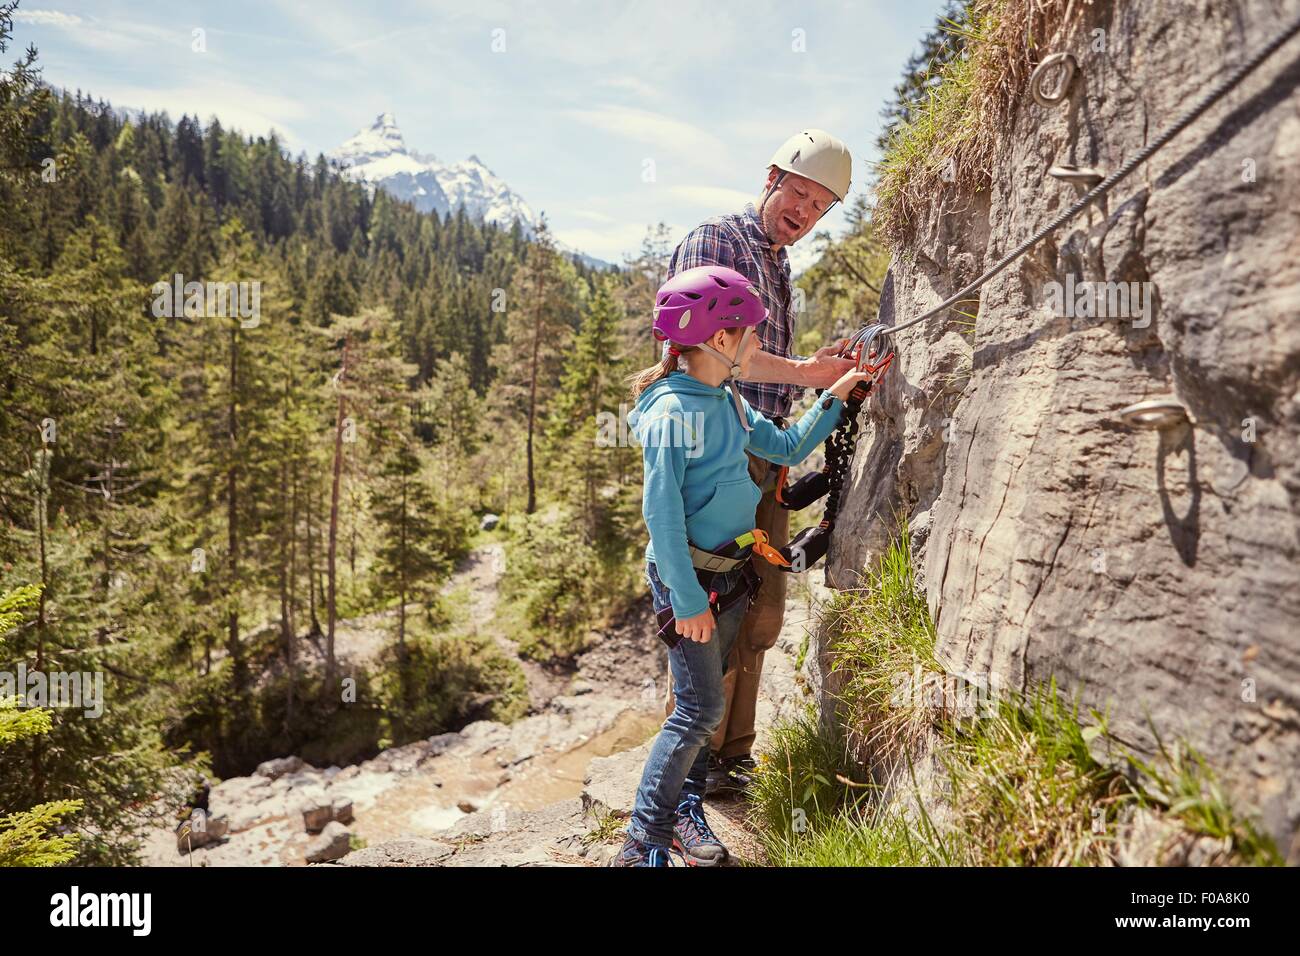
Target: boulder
x=204 y=830
x=342 y=809
x=274 y=769
x=332 y=843
x=317 y=813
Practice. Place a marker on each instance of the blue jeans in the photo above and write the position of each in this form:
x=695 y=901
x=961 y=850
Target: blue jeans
x=679 y=757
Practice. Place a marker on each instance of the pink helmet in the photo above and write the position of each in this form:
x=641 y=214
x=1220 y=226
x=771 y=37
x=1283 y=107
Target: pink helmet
x=692 y=305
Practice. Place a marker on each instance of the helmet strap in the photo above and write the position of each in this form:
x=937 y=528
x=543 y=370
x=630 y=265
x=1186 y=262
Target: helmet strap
x=834 y=203
x=734 y=371
x=780 y=175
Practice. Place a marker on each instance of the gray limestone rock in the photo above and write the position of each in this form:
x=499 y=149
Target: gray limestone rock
x=1154 y=571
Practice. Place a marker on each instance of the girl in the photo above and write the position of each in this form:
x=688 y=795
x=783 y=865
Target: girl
x=698 y=504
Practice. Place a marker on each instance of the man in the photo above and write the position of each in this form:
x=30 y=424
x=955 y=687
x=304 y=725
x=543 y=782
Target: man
x=807 y=175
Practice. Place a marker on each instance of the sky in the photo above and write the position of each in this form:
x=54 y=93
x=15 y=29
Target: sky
x=607 y=117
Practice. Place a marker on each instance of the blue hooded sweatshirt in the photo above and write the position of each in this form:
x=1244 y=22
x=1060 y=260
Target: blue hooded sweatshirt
x=697 y=483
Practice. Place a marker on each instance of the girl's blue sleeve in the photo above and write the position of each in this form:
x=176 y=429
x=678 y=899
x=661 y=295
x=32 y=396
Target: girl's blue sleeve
x=792 y=445
x=664 y=511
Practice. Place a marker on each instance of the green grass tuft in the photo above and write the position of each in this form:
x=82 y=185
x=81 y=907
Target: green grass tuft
x=949 y=143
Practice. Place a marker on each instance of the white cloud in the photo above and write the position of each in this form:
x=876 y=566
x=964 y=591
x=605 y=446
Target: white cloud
x=639 y=38
x=672 y=136
x=115 y=38
x=370 y=41
x=47 y=18
x=632 y=85
x=590 y=215
x=611 y=244
x=717 y=198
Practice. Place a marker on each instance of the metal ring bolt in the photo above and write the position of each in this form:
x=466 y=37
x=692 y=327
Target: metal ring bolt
x=1068 y=64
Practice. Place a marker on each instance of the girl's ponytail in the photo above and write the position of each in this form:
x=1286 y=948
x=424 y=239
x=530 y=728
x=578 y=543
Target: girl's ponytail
x=640 y=381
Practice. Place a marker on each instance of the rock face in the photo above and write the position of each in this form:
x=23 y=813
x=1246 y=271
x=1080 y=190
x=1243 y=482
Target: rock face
x=1154 y=571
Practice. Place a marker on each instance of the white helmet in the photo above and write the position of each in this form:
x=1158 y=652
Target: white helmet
x=817 y=155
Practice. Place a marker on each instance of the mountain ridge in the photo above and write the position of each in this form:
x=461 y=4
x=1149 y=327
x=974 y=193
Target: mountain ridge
x=379 y=157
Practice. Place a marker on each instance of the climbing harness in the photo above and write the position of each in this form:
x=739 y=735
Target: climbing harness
x=866 y=345
x=709 y=565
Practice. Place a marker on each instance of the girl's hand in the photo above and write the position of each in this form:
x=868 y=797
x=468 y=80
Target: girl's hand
x=847 y=382
x=698 y=628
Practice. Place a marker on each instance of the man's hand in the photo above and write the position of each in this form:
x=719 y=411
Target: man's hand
x=821 y=371
x=825 y=368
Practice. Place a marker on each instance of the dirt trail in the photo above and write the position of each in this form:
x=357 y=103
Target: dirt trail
x=554 y=818
x=526 y=793
x=479 y=576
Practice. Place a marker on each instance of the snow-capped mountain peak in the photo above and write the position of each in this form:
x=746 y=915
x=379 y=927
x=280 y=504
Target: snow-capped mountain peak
x=380 y=157
x=383 y=140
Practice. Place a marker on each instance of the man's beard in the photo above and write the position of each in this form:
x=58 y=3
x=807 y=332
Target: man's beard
x=770 y=223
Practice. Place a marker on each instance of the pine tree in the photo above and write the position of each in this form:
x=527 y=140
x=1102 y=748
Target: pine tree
x=22 y=101
x=542 y=308
x=412 y=551
x=944 y=42
x=584 y=460
x=81 y=547
x=646 y=272
x=368 y=385
x=24 y=838
x=229 y=397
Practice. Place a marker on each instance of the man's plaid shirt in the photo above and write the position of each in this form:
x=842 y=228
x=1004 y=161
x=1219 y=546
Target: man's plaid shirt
x=738 y=242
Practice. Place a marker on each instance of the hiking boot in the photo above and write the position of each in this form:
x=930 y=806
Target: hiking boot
x=636 y=853
x=693 y=838
x=729 y=776
x=718 y=783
